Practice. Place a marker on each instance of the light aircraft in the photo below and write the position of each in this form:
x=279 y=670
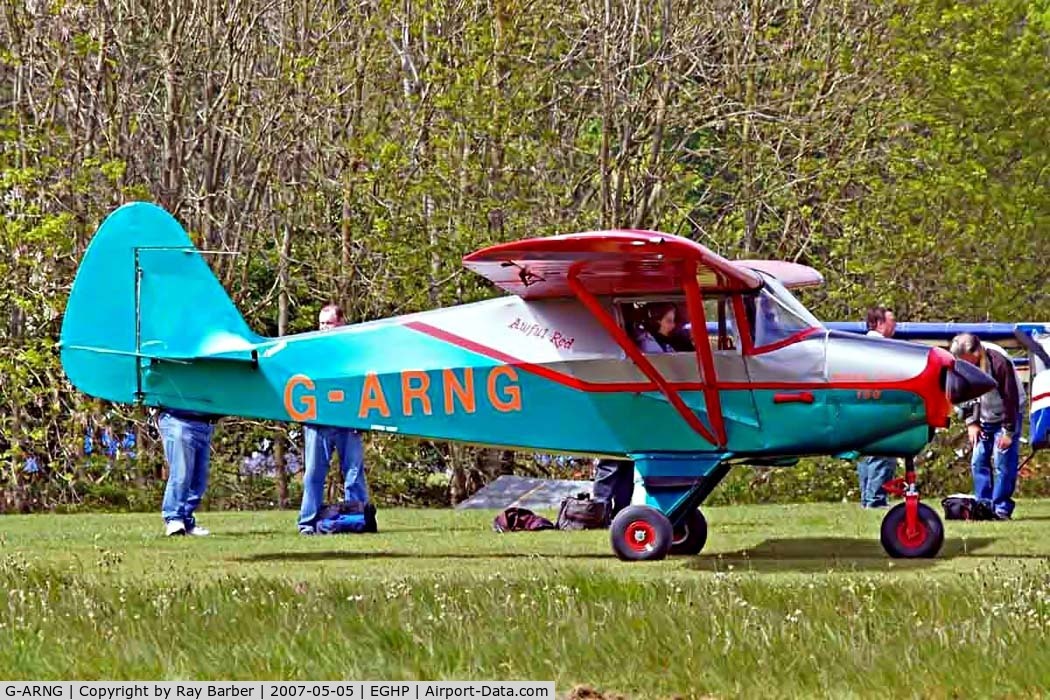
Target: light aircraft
x=552 y=367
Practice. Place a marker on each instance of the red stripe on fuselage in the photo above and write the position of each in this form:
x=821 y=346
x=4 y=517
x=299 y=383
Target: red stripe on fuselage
x=913 y=384
x=539 y=370
x=783 y=342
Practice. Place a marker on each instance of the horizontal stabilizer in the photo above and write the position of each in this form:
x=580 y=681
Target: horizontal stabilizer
x=216 y=345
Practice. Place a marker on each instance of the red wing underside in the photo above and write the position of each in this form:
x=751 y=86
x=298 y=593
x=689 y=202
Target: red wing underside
x=605 y=263
x=589 y=265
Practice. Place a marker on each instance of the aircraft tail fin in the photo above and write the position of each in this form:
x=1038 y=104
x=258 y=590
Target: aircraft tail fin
x=143 y=293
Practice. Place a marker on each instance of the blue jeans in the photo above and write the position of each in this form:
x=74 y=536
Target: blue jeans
x=872 y=473
x=321 y=442
x=187 y=447
x=985 y=455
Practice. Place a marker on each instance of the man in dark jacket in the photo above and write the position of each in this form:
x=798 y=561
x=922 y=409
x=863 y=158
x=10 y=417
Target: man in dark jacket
x=993 y=422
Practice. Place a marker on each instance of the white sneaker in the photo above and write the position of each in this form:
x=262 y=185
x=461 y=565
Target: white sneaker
x=175 y=527
x=199 y=531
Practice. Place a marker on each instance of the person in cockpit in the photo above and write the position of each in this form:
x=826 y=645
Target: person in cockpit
x=657 y=328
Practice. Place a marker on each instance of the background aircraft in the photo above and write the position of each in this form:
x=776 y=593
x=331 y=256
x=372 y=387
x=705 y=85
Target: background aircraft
x=553 y=367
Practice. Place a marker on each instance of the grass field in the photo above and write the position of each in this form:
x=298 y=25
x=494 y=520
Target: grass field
x=786 y=601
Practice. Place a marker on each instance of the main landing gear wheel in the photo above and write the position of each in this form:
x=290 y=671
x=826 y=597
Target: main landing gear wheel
x=921 y=542
x=691 y=534
x=641 y=533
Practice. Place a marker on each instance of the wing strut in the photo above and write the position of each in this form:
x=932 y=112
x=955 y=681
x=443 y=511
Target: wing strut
x=636 y=355
x=695 y=301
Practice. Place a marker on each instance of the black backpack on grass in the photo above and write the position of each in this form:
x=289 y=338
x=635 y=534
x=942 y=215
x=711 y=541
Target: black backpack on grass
x=966 y=507
x=581 y=512
x=514 y=519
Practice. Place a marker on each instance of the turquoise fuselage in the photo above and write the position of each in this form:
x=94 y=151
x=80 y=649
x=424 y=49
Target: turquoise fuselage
x=148 y=322
x=390 y=377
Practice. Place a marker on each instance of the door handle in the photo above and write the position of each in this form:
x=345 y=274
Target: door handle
x=793 y=397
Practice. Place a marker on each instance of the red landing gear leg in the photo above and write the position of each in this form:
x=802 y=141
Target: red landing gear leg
x=910 y=529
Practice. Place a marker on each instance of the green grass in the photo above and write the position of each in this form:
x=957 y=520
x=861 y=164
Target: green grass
x=786 y=601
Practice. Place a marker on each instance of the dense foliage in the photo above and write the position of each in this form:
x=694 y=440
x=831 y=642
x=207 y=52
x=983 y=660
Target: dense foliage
x=355 y=151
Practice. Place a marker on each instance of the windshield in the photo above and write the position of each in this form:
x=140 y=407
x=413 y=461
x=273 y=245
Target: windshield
x=777 y=315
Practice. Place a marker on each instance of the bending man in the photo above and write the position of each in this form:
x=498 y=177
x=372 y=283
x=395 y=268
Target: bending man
x=993 y=422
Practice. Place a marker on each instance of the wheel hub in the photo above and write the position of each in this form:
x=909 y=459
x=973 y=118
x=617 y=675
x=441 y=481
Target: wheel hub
x=911 y=537
x=640 y=536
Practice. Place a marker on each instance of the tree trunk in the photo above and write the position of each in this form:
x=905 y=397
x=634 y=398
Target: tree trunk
x=282 y=329
x=346 y=271
x=17 y=488
x=607 y=117
x=170 y=175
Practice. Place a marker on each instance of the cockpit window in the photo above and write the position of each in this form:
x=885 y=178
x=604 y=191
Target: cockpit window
x=775 y=315
x=657 y=326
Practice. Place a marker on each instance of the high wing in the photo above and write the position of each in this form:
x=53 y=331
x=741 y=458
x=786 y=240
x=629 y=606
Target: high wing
x=791 y=275
x=605 y=263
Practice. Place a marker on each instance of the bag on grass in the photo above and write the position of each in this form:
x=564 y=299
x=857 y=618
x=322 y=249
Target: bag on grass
x=581 y=512
x=346 y=516
x=515 y=519
x=963 y=506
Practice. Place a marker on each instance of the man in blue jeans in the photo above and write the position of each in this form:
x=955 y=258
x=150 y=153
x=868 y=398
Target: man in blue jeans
x=321 y=442
x=873 y=470
x=993 y=423
x=187 y=450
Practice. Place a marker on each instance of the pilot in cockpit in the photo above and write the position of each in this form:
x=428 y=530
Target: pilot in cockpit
x=658 y=327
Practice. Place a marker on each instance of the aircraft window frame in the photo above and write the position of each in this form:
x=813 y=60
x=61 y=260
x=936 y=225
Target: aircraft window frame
x=733 y=327
x=681 y=316
x=775 y=292
x=726 y=311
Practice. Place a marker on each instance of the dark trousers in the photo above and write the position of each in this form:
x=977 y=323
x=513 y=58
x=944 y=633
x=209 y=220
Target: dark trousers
x=613 y=484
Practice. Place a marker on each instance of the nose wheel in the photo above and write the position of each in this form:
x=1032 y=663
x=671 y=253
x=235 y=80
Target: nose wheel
x=911 y=530
x=920 y=539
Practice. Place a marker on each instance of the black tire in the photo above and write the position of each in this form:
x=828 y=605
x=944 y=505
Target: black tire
x=640 y=533
x=690 y=536
x=923 y=545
